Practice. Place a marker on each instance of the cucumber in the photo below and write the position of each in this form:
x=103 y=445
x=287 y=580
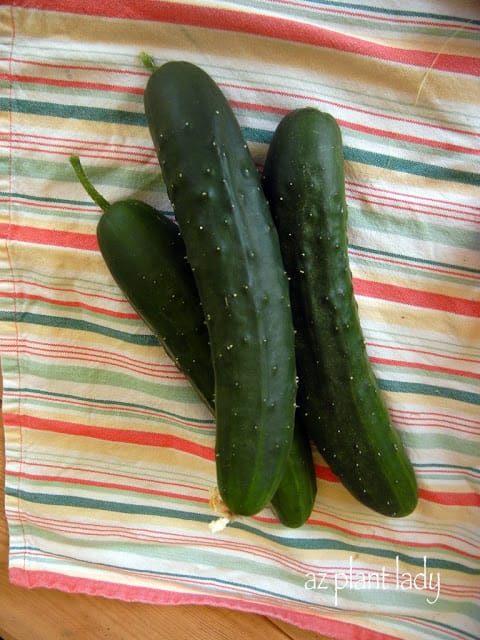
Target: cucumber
x=145 y=254
x=340 y=403
x=233 y=249
x=295 y=497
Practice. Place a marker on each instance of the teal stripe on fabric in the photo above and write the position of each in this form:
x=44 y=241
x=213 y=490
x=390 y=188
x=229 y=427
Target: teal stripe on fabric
x=292 y=542
x=384 y=161
x=396 y=12
x=79 y=112
x=45 y=199
x=76 y=325
x=452 y=467
x=109 y=403
x=256 y=135
x=429 y=390
x=106 y=505
x=320 y=543
x=413 y=167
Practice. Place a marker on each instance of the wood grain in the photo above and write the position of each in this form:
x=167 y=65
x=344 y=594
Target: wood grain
x=47 y=614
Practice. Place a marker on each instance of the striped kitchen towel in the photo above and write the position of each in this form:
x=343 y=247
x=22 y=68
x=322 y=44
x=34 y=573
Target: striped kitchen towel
x=109 y=452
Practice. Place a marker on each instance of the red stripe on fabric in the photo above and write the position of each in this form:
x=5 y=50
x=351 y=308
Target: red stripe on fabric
x=153 y=162
x=412 y=264
x=84 y=67
x=373 y=131
x=110 y=485
x=29 y=284
x=434 y=420
x=368 y=112
x=417 y=297
x=51 y=237
x=37 y=204
x=113 y=473
x=129 y=436
x=91 y=145
x=130 y=593
x=399 y=204
x=76 y=304
x=323 y=472
x=98 y=86
x=154 y=369
x=426 y=367
x=260 y=25
x=417 y=199
x=451 y=498
x=168 y=373
x=393 y=135
x=425 y=352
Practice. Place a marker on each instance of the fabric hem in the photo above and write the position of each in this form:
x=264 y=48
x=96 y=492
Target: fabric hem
x=334 y=628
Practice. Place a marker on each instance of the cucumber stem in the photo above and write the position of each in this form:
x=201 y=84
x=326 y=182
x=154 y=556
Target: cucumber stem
x=87 y=185
x=148 y=61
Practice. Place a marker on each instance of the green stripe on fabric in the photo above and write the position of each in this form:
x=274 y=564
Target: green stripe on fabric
x=112 y=95
x=458 y=235
x=93 y=374
x=121 y=176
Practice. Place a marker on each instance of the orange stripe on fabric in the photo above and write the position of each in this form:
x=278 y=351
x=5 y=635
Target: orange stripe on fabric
x=50 y=237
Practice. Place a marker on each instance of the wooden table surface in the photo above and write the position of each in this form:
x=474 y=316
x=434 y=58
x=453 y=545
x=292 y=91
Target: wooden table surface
x=47 y=614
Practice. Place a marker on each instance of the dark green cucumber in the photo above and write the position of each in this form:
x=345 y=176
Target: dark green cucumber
x=233 y=249
x=146 y=256
x=294 y=499
x=340 y=403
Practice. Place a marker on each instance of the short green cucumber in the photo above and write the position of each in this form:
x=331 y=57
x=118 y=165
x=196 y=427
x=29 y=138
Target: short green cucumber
x=233 y=249
x=340 y=403
x=146 y=256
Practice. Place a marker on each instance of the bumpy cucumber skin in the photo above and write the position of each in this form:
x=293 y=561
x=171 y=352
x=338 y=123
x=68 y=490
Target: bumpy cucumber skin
x=146 y=256
x=340 y=403
x=233 y=249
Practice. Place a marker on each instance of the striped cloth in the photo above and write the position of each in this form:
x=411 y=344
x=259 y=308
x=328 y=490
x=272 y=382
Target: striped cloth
x=109 y=453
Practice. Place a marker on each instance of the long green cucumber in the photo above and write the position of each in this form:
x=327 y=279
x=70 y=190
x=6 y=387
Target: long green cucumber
x=233 y=249
x=145 y=254
x=147 y=259
x=340 y=403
